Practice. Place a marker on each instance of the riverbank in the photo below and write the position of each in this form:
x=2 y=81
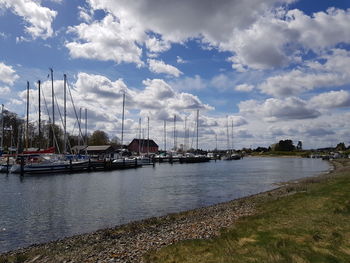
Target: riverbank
x=131 y=242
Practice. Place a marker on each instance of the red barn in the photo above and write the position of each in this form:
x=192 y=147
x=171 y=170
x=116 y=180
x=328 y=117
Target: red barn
x=142 y=145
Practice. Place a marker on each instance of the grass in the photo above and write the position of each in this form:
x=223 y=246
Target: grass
x=311 y=225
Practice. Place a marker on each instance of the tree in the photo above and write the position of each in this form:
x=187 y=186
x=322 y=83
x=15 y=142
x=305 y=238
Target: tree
x=285 y=146
x=340 y=147
x=99 y=138
x=300 y=145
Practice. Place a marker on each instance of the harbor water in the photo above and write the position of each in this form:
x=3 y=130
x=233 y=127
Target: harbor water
x=37 y=209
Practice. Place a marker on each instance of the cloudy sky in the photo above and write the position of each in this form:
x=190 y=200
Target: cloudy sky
x=266 y=69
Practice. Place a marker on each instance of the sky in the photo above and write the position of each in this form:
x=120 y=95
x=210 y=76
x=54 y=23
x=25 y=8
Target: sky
x=258 y=71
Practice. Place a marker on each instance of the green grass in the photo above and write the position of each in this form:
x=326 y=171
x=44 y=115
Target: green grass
x=312 y=225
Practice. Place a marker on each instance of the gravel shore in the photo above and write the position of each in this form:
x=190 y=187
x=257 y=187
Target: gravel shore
x=128 y=243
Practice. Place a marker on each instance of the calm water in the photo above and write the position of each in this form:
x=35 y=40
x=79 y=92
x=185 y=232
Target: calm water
x=37 y=209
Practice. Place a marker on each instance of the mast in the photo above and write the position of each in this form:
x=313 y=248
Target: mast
x=216 y=142
x=80 y=133
x=27 y=123
x=139 y=136
x=148 y=136
x=39 y=106
x=184 y=147
x=65 y=113
x=232 y=135
x=53 y=109
x=165 y=136
x=175 y=132
x=123 y=120
x=85 y=141
x=2 y=127
x=197 y=129
x=228 y=140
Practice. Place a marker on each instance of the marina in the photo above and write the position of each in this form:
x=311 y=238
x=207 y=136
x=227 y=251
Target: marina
x=41 y=208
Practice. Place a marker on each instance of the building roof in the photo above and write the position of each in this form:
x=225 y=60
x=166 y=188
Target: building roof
x=145 y=142
x=99 y=148
x=78 y=148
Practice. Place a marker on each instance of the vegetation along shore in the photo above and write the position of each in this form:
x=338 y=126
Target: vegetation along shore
x=302 y=221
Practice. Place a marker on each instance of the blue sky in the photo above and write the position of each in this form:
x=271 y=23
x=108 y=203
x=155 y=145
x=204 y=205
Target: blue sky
x=273 y=69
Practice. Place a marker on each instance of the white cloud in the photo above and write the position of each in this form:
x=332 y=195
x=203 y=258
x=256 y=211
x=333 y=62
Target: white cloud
x=157 y=24
x=189 y=83
x=221 y=82
x=238 y=121
x=4 y=90
x=158 y=66
x=332 y=99
x=275 y=109
x=38 y=18
x=244 y=88
x=157 y=45
x=292 y=32
x=85 y=14
x=109 y=39
x=7 y=74
x=335 y=71
x=180 y=60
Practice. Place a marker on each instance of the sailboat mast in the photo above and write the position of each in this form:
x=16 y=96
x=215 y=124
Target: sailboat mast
x=232 y=135
x=85 y=141
x=39 y=106
x=148 y=136
x=2 y=127
x=65 y=112
x=80 y=133
x=53 y=108
x=165 y=135
x=197 y=129
x=184 y=147
x=122 y=140
x=175 y=132
x=228 y=140
x=139 y=136
x=27 y=123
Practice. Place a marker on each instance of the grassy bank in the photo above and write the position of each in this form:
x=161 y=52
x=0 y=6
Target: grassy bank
x=311 y=224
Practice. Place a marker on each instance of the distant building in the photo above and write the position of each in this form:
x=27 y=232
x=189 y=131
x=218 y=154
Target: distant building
x=101 y=151
x=142 y=145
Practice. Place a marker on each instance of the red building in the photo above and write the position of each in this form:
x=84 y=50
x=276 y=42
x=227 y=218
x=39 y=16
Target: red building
x=143 y=145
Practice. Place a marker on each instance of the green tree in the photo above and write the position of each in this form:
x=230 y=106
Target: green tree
x=300 y=145
x=99 y=138
x=340 y=147
x=285 y=146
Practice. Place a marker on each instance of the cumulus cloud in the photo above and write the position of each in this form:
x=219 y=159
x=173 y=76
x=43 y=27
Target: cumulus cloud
x=189 y=83
x=244 y=88
x=221 y=82
x=332 y=71
x=332 y=99
x=180 y=60
x=38 y=18
x=109 y=39
x=158 y=66
x=157 y=24
x=4 y=90
x=7 y=74
x=279 y=109
x=157 y=45
x=238 y=121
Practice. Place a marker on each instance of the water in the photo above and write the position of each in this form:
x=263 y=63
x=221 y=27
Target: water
x=38 y=209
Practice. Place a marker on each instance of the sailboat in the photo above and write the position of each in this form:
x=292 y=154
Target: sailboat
x=194 y=158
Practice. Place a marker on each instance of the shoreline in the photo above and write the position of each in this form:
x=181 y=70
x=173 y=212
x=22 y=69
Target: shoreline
x=129 y=242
